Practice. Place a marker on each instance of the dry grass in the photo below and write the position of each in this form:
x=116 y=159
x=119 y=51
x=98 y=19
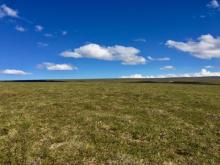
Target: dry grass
x=109 y=122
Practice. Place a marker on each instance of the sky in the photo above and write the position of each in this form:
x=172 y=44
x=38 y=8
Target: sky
x=85 y=39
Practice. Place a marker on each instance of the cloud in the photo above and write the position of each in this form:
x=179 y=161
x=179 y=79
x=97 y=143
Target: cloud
x=56 y=67
x=207 y=47
x=209 y=67
x=13 y=72
x=42 y=44
x=64 y=33
x=158 y=59
x=20 y=28
x=137 y=76
x=169 y=67
x=202 y=16
x=6 y=11
x=134 y=76
x=48 y=35
x=39 y=28
x=206 y=73
x=202 y=73
x=213 y=4
x=127 y=55
x=140 y=40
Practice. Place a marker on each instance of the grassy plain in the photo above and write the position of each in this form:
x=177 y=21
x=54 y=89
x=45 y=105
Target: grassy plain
x=109 y=122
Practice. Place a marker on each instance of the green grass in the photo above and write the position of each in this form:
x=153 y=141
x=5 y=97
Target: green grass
x=109 y=122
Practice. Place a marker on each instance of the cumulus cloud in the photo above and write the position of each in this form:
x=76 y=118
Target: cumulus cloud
x=128 y=55
x=20 y=28
x=205 y=72
x=207 y=46
x=168 y=67
x=213 y=4
x=6 y=11
x=39 y=28
x=56 y=67
x=134 y=76
x=137 y=76
x=158 y=59
x=13 y=72
x=202 y=73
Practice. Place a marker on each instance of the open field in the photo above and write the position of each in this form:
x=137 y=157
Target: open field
x=110 y=122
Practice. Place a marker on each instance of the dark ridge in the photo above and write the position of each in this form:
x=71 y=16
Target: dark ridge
x=179 y=80
x=196 y=83
x=175 y=82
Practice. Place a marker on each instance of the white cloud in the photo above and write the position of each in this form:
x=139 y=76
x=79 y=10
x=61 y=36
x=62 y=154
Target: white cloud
x=42 y=44
x=209 y=67
x=64 y=33
x=39 y=28
x=48 y=35
x=202 y=73
x=169 y=67
x=13 y=72
x=20 y=28
x=134 y=76
x=6 y=11
x=158 y=59
x=205 y=72
x=213 y=4
x=128 y=55
x=140 y=76
x=56 y=67
x=207 y=46
x=140 y=40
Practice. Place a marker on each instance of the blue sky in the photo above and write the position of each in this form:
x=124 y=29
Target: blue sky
x=109 y=39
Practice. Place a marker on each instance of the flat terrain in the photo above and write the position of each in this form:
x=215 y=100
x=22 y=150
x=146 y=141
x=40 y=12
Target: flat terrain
x=110 y=122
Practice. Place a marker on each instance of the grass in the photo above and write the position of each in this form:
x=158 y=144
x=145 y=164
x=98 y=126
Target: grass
x=109 y=122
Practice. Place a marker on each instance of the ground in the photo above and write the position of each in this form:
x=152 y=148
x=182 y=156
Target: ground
x=109 y=122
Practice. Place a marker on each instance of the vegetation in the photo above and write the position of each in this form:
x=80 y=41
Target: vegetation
x=109 y=122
